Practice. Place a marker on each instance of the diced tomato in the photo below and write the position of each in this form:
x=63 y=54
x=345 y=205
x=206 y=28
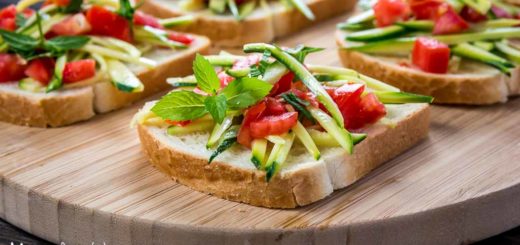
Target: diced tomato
x=180 y=37
x=8 y=24
x=431 y=55
x=358 y=111
x=79 y=70
x=448 y=21
x=28 y=13
x=283 y=85
x=425 y=9
x=61 y=3
x=12 y=68
x=71 y=26
x=387 y=12
x=177 y=123
x=253 y=113
x=274 y=107
x=224 y=79
x=143 y=19
x=472 y=15
x=8 y=12
x=274 y=125
x=107 y=23
x=40 y=70
x=500 y=12
x=247 y=62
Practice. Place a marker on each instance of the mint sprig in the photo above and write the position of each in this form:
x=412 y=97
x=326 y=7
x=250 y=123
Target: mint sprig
x=207 y=79
x=187 y=105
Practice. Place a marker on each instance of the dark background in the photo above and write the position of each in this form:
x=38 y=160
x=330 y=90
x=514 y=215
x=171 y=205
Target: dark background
x=12 y=235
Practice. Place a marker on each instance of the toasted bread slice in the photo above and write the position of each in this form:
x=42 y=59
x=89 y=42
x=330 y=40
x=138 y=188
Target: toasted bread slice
x=68 y=106
x=302 y=179
x=263 y=25
x=473 y=83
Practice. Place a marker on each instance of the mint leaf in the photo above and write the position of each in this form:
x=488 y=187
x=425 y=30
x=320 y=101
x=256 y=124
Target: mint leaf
x=207 y=79
x=63 y=43
x=73 y=7
x=301 y=51
x=216 y=106
x=180 y=106
x=19 y=43
x=20 y=20
x=246 y=91
x=126 y=10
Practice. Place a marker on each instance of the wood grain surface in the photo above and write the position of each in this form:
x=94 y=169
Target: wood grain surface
x=91 y=183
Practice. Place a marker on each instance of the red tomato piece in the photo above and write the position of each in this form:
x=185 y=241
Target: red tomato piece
x=500 y=12
x=180 y=37
x=12 y=68
x=178 y=123
x=425 y=9
x=61 y=3
x=472 y=15
x=143 y=19
x=8 y=24
x=283 y=85
x=448 y=21
x=224 y=79
x=274 y=106
x=8 y=12
x=346 y=94
x=371 y=111
x=387 y=12
x=40 y=69
x=28 y=13
x=72 y=26
x=79 y=70
x=273 y=125
x=431 y=55
x=107 y=23
x=247 y=62
x=253 y=113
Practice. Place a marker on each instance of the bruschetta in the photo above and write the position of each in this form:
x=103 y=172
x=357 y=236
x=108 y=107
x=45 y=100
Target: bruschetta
x=267 y=130
x=70 y=60
x=233 y=23
x=460 y=51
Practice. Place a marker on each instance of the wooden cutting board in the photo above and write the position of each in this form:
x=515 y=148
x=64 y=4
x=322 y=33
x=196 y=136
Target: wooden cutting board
x=91 y=183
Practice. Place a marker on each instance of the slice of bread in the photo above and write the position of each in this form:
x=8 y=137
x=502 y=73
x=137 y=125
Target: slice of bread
x=261 y=26
x=473 y=83
x=302 y=179
x=67 y=106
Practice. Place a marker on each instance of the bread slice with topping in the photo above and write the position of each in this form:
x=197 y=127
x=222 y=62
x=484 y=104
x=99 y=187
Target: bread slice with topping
x=262 y=25
x=70 y=105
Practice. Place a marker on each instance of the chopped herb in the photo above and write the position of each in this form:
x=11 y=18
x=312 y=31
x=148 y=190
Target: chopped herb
x=298 y=104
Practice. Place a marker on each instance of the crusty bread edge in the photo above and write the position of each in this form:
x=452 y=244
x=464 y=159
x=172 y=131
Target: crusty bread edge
x=289 y=190
x=227 y=32
x=446 y=89
x=75 y=105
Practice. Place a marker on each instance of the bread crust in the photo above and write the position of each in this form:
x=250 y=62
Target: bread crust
x=290 y=189
x=225 y=31
x=65 y=107
x=479 y=88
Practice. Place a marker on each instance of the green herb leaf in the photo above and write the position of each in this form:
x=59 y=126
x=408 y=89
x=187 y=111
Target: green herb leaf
x=19 y=43
x=207 y=78
x=20 y=19
x=126 y=10
x=73 y=7
x=301 y=51
x=298 y=104
x=259 y=69
x=180 y=106
x=61 y=44
x=216 y=106
x=246 y=91
x=229 y=138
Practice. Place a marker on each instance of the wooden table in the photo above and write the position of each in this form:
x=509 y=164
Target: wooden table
x=90 y=182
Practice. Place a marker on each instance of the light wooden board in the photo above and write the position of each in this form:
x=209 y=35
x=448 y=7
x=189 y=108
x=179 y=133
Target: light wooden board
x=91 y=183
